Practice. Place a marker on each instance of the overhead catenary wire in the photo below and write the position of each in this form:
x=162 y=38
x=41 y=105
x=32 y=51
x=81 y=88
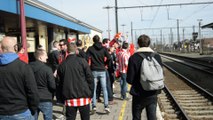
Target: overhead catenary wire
x=108 y=2
x=128 y=16
x=168 y=6
x=195 y=12
x=155 y=14
x=126 y=12
x=164 y=5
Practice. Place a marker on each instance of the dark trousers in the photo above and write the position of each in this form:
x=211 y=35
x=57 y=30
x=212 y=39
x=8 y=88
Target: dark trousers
x=112 y=80
x=109 y=88
x=71 y=112
x=138 y=104
x=58 y=91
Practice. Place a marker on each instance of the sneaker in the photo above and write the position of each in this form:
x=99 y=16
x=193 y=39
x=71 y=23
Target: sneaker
x=115 y=96
x=127 y=99
x=107 y=110
x=93 y=110
x=121 y=98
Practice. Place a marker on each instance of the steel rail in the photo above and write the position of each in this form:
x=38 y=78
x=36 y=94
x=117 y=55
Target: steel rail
x=194 y=85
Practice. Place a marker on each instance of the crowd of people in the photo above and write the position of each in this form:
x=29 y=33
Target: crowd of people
x=74 y=75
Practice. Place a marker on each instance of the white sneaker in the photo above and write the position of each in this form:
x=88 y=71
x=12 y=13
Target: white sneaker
x=107 y=110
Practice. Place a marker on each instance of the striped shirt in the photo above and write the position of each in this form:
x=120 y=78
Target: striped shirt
x=77 y=102
x=122 y=59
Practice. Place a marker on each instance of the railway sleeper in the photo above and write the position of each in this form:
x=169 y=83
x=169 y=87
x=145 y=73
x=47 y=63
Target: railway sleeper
x=199 y=108
x=190 y=97
x=192 y=101
x=203 y=112
x=167 y=116
x=166 y=103
x=170 y=111
x=168 y=107
x=164 y=100
x=201 y=117
x=182 y=92
x=194 y=104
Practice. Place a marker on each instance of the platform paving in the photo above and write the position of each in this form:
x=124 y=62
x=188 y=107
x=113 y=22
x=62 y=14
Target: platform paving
x=119 y=111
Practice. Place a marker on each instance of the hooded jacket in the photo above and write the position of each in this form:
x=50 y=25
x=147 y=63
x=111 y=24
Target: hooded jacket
x=18 y=90
x=97 y=53
x=44 y=79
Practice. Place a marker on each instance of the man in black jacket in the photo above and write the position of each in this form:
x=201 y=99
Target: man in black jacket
x=18 y=91
x=53 y=60
x=79 y=51
x=45 y=83
x=141 y=98
x=53 y=57
x=98 y=55
x=77 y=84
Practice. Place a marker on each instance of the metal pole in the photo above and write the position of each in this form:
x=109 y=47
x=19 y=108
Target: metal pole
x=108 y=23
x=108 y=7
x=178 y=35
x=136 y=37
x=200 y=45
x=23 y=26
x=172 y=36
x=116 y=16
x=183 y=34
x=171 y=42
x=132 y=32
x=193 y=28
x=161 y=40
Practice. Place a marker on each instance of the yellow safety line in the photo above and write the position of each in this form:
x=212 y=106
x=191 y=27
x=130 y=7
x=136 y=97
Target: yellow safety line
x=121 y=114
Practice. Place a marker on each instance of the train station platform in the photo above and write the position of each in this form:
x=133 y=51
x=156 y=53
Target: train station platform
x=121 y=110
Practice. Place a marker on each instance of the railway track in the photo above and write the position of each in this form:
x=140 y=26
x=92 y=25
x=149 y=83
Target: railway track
x=194 y=63
x=203 y=64
x=183 y=100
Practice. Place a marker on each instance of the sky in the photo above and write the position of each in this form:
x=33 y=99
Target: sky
x=153 y=21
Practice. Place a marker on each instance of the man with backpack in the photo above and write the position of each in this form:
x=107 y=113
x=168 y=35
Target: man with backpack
x=143 y=91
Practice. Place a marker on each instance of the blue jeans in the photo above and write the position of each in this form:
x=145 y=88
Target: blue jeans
x=21 y=116
x=100 y=75
x=123 y=85
x=46 y=108
x=109 y=88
